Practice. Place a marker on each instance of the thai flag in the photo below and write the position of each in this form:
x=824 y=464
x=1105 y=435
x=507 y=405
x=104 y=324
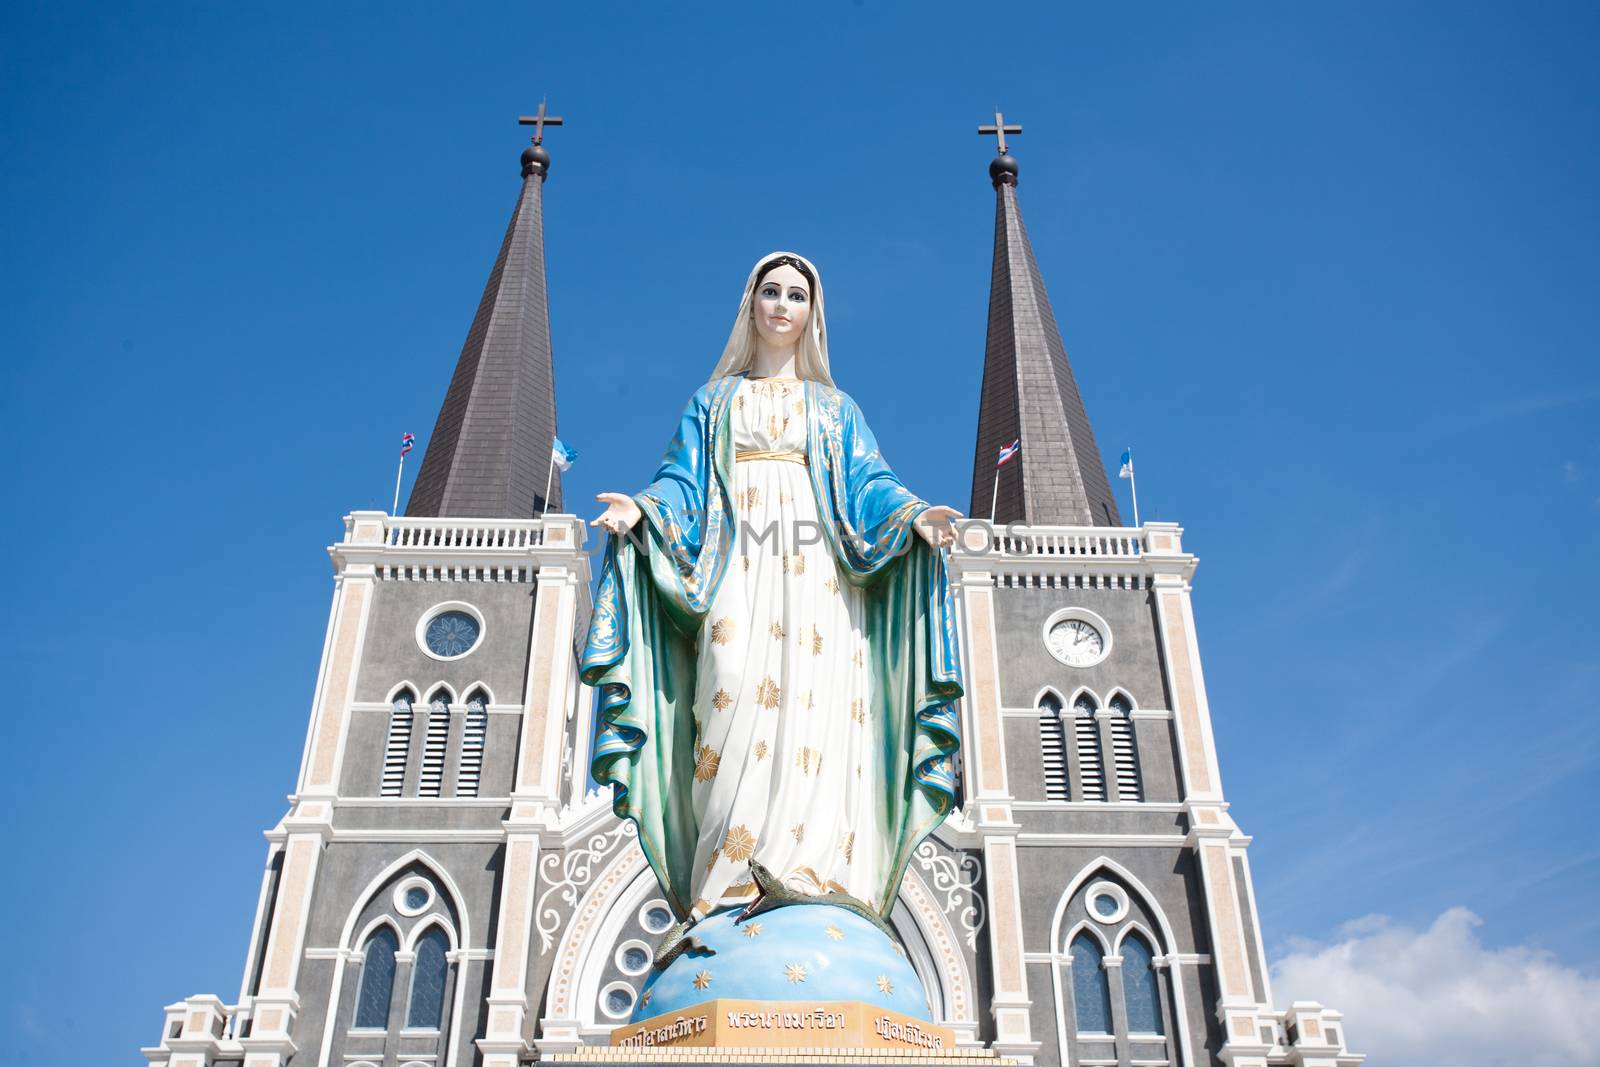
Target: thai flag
x=1007 y=452
x=407 y=440
x=562 y=456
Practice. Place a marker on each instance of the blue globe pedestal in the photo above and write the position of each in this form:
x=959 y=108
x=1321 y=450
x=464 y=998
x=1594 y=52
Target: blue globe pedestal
x=803 y=975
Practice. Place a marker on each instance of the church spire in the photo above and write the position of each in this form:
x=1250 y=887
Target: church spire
x=1029 y=393
x=490 y=450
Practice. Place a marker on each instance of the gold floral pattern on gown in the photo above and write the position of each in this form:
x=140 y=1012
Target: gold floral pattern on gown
x=781 y=682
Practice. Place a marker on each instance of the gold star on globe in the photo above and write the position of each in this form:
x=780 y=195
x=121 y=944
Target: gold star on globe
x=795 y=973
x=835 y=933
x=884 y=985
x=753 y=930
x=702 y=979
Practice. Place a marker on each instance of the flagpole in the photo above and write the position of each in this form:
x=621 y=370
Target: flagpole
x=1133 y=487
x=994 y=498
x=550 y=480
x=398 y=472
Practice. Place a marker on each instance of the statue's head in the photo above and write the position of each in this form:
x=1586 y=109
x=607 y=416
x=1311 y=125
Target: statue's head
x=782 y=305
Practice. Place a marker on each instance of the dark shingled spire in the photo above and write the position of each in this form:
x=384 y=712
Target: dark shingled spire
x=489 y=454
x=1029 y=391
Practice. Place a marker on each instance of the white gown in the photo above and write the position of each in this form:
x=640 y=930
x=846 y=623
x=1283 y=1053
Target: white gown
x=785 y=749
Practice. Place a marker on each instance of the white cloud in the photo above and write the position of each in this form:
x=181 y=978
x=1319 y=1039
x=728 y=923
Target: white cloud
x=1425 y=997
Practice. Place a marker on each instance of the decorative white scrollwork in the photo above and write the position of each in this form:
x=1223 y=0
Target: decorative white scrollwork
x=565 y=873
x=956 y=876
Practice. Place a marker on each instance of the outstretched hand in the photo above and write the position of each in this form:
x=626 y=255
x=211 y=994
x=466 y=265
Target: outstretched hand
x=621 y=513
x=936 y=525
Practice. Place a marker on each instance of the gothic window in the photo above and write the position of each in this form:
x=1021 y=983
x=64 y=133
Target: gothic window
x=434 y=745
x=377 y=981
x=472 y=740
x=1140 y=999
x=1125 y=749
x=1091 y=767
x=398 y=745
x=1091 y=996
x=1052 y=748
x=428 y=976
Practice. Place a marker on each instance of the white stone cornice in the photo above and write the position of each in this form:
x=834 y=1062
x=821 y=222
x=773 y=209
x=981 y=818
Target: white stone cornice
x=444 y=548
x=1100 y=556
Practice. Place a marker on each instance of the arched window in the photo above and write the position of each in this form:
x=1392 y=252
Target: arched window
x=472 y=739
x=1139 y=996
x=1125 y=750
x=433 y=748
x=377 y=981
x=1052 y=748
x=1091 y=767
x=398 y=746
x=1091 y=996
x=428 y=976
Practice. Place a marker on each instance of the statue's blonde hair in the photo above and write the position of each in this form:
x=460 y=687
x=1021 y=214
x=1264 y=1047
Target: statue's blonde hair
x=811 y=355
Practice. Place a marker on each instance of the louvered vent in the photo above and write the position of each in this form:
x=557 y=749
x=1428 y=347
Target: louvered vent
x=433 y=748
x=1125 y=751
x=398 y=747
x=1053 y=749
x=1091 y=766
x=472 y=739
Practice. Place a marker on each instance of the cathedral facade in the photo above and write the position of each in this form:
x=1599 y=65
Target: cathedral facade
x=447 y=889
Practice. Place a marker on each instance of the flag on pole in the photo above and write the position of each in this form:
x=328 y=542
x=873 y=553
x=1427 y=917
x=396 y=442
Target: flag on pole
x=562 y=456
x=1127 y=464
x=407 y=440
x=1007 y=452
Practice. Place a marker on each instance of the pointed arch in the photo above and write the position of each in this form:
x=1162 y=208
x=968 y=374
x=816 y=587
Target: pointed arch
x=479 y=687
x=1141 y=997
x=376 y=991
x=433 y=922
x=444 y=688
x=435 y=742
x=1164 y=943
x=420 y=858
x=1049 y=691
x=474 y=736
x=1053 y=745
x=430 y=978
x=1118 y=692
x=1086 y=743
x=397 y=744
x=400 y=687
x=1091 y=991
x=1092 y=930
x=1124 y=747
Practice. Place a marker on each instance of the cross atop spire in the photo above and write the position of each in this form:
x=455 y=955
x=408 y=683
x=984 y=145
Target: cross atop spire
x=539 y=120
x=1000 y=129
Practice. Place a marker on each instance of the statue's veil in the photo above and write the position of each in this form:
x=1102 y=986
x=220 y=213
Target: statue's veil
x=811 y=361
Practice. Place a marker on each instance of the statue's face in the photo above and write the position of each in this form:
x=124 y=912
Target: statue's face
x=782 y=305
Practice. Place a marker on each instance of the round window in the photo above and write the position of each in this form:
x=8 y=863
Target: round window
x=633 y=958
x=1108 y=902
x=452 y=634
x=656 y=917
x=616 y=1000
x=413 y=896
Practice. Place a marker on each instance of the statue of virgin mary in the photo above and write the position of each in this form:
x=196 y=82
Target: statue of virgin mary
x=773 y=638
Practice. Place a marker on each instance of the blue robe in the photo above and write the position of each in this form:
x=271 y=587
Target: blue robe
x=657 y=584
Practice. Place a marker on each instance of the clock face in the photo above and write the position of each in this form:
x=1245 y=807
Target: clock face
x=1076 y=642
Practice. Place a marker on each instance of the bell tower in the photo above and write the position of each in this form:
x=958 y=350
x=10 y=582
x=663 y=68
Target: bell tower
x=1122 y=916
x=395 y=916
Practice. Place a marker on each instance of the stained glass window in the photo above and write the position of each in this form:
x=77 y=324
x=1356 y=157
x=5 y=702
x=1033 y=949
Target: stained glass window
x=618 y=1001
x=635 y=959
x=416 y=898
x=1105 y=904
x=451 y=633
x=657 y=920
x=377 y=981
x=428 y=977
x=1090 y=993
x=1139 y=987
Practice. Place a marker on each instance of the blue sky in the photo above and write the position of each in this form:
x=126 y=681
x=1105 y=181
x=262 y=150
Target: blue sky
x=1330 y=270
